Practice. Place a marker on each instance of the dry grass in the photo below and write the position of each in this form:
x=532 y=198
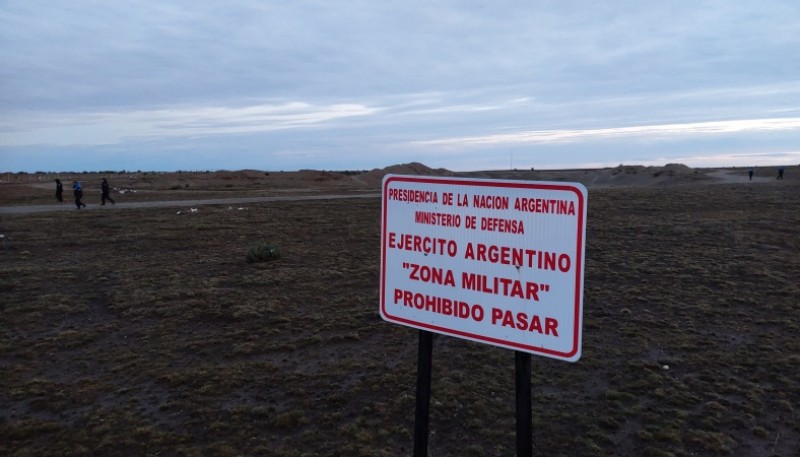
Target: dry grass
x=144 y=332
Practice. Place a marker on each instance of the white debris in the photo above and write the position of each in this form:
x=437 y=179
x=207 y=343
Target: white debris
x=192 y=210
x=178 y=212
x=240 y=209
x=665 y=367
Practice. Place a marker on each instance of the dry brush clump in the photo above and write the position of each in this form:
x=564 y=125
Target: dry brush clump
x=263 y=252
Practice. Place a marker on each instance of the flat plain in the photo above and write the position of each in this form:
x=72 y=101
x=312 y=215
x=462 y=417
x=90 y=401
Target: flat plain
x=134 y=330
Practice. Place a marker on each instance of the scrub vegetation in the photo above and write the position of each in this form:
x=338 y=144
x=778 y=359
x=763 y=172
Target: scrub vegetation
x=141 y=331
x=263 y=252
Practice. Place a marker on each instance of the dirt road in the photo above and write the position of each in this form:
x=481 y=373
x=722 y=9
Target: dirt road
x=69 y=206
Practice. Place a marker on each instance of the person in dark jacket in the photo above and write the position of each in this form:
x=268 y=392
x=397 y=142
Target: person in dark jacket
x=77 y=191
x=59 y=190
x=105 y=193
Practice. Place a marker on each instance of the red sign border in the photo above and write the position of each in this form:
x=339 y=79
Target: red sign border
x=573 y=354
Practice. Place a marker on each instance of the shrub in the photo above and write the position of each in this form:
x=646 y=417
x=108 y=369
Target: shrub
x=263 y=252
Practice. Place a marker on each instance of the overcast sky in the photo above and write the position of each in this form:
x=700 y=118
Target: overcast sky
x=362 y=84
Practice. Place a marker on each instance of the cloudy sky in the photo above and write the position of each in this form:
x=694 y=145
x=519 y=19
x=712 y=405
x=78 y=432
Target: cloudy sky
x=361 y=84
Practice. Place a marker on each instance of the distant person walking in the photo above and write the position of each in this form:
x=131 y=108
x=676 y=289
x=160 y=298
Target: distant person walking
x=77 y=191
x=780 y=173
x=751 y=174
x=105 y=193
x=59 y=190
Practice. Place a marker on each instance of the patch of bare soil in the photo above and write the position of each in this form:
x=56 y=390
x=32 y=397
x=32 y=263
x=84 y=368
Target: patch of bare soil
x=146 y=332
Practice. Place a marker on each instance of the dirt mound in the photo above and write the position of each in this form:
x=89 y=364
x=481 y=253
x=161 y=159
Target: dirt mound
x=318 y=176
x=235 y=175
x=375 y=177
x=677 y=168
x=642 y=176
x=619 y=176
x=413 y=168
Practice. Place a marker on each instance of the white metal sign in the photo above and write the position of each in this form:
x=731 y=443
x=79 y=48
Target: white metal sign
x=498 y=262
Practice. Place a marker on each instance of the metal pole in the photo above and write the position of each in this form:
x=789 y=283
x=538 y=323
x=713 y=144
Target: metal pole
x=522 y=363
x=423 y=393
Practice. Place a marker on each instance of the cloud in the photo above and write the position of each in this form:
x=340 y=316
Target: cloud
x=332 y=82
x=190 y=121
x=664 y=131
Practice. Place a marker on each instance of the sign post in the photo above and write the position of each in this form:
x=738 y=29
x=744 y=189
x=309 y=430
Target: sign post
x=424 y=367
x=522 y=373
x=493 y=261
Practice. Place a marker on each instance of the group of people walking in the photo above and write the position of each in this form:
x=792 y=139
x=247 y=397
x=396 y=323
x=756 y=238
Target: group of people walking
x=752 y=171
x=77 y=192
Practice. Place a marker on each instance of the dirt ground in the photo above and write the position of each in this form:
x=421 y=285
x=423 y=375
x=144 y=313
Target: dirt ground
x=23 y=189
x=142 y=330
